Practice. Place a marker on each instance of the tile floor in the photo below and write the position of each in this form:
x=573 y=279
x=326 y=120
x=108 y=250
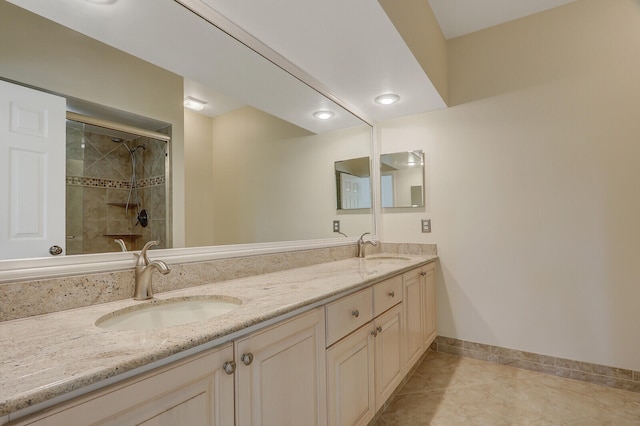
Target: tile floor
x=450 y=390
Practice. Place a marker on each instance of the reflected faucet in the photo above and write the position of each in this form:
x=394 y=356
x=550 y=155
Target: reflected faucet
x=121 y=243
x=362 y=243
x=144 y=270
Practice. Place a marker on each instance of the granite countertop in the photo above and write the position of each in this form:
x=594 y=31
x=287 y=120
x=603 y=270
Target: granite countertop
x=47 y=356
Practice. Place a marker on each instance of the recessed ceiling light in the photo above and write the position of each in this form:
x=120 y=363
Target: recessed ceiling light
x=323 y=115
x=387 y=99
x=194 y=104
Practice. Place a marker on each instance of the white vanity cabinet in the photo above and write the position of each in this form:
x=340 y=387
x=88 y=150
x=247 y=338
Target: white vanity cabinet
x=335 y=364
x=277 y=377
x=419 y=312
x=364 y=366
x=280 y=374
x=194 y=391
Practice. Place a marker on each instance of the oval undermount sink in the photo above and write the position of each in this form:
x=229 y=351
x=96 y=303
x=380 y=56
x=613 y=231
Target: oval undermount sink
x=168 y=313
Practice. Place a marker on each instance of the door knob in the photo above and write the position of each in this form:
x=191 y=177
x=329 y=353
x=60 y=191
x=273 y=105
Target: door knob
x=55 y=250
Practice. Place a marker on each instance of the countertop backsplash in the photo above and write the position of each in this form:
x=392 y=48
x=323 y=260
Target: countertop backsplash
x=22 y=299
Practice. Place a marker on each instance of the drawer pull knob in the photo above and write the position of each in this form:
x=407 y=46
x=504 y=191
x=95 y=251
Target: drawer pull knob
x=424 y=274
x=247 y=359
x=229 y=367
x=379 y=329
x=355 y=313
x=374 y=333
x=392 y=294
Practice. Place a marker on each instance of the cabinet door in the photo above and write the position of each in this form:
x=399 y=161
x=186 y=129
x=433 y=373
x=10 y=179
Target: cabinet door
x=389 y=366
x=350 y=379
x=413 y=316
x=430 y=305
x=281 y=376
x=195 y=391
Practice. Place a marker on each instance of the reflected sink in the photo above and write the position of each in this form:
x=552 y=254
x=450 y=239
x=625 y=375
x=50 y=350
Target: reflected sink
x=387 y=258
x=168 y=313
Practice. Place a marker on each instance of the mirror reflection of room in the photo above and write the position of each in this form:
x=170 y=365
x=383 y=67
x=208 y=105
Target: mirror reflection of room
x=353 y=183
x=402 y=179
x=115 y=189
x=253 y=166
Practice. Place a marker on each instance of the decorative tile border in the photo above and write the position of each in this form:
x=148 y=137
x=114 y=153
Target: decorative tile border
x=577 y=370
x=110 y=183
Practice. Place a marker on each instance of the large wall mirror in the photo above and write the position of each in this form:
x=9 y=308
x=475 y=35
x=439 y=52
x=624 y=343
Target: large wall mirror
x=253 y=166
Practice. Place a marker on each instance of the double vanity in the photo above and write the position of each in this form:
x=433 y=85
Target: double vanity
x=320 y=344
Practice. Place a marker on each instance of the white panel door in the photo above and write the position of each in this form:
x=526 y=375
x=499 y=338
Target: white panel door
x=355 y=192
x=32 y=172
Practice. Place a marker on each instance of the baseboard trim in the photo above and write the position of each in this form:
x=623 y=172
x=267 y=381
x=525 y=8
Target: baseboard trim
x=593 y=373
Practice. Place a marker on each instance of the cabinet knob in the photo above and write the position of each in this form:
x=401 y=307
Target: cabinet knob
x=374 y=333
x=229 y=367
x=379 y=329
x=392 y=294
x=424 y=274
x=247 y=359
x=355 y=313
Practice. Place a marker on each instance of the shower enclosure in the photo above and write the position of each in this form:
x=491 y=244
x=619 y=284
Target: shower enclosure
x=116 y=189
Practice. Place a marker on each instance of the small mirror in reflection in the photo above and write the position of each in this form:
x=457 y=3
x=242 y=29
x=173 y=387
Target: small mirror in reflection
x=353 y=185
x=402 y=179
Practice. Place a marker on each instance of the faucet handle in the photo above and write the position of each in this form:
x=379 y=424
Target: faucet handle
x=143 y=259
x=121 y=243
x=362 y=236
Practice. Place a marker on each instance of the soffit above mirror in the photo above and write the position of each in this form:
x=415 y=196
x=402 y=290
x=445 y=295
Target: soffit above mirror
x=351 y=47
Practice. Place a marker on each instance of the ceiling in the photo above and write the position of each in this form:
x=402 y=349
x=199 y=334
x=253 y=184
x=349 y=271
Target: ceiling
x=350 y=47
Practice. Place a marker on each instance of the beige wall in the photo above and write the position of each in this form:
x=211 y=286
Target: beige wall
x=416 y=23
x=533 y=183
x=269 y=180
x=43 y=54
x=198 y=175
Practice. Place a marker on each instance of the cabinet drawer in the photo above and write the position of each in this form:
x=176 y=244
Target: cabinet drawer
x=387 y=294
x=347 y=314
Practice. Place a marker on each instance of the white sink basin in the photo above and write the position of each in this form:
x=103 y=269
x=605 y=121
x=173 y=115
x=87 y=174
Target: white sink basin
x=168 y=313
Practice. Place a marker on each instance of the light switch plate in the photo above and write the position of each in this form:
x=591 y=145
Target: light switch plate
x=426 y=225
x=336 y=226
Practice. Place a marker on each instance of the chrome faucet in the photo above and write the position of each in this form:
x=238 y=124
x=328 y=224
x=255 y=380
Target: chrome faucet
x=362 y=243
x=144 y=270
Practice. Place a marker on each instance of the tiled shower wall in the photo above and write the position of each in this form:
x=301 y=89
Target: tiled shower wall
x=98 y=185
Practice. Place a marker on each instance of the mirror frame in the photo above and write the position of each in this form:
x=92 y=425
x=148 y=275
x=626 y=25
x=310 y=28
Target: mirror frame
x=52 y=267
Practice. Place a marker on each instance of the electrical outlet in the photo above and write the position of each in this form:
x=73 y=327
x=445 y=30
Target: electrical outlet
x=336 y=226
x=426 y=225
